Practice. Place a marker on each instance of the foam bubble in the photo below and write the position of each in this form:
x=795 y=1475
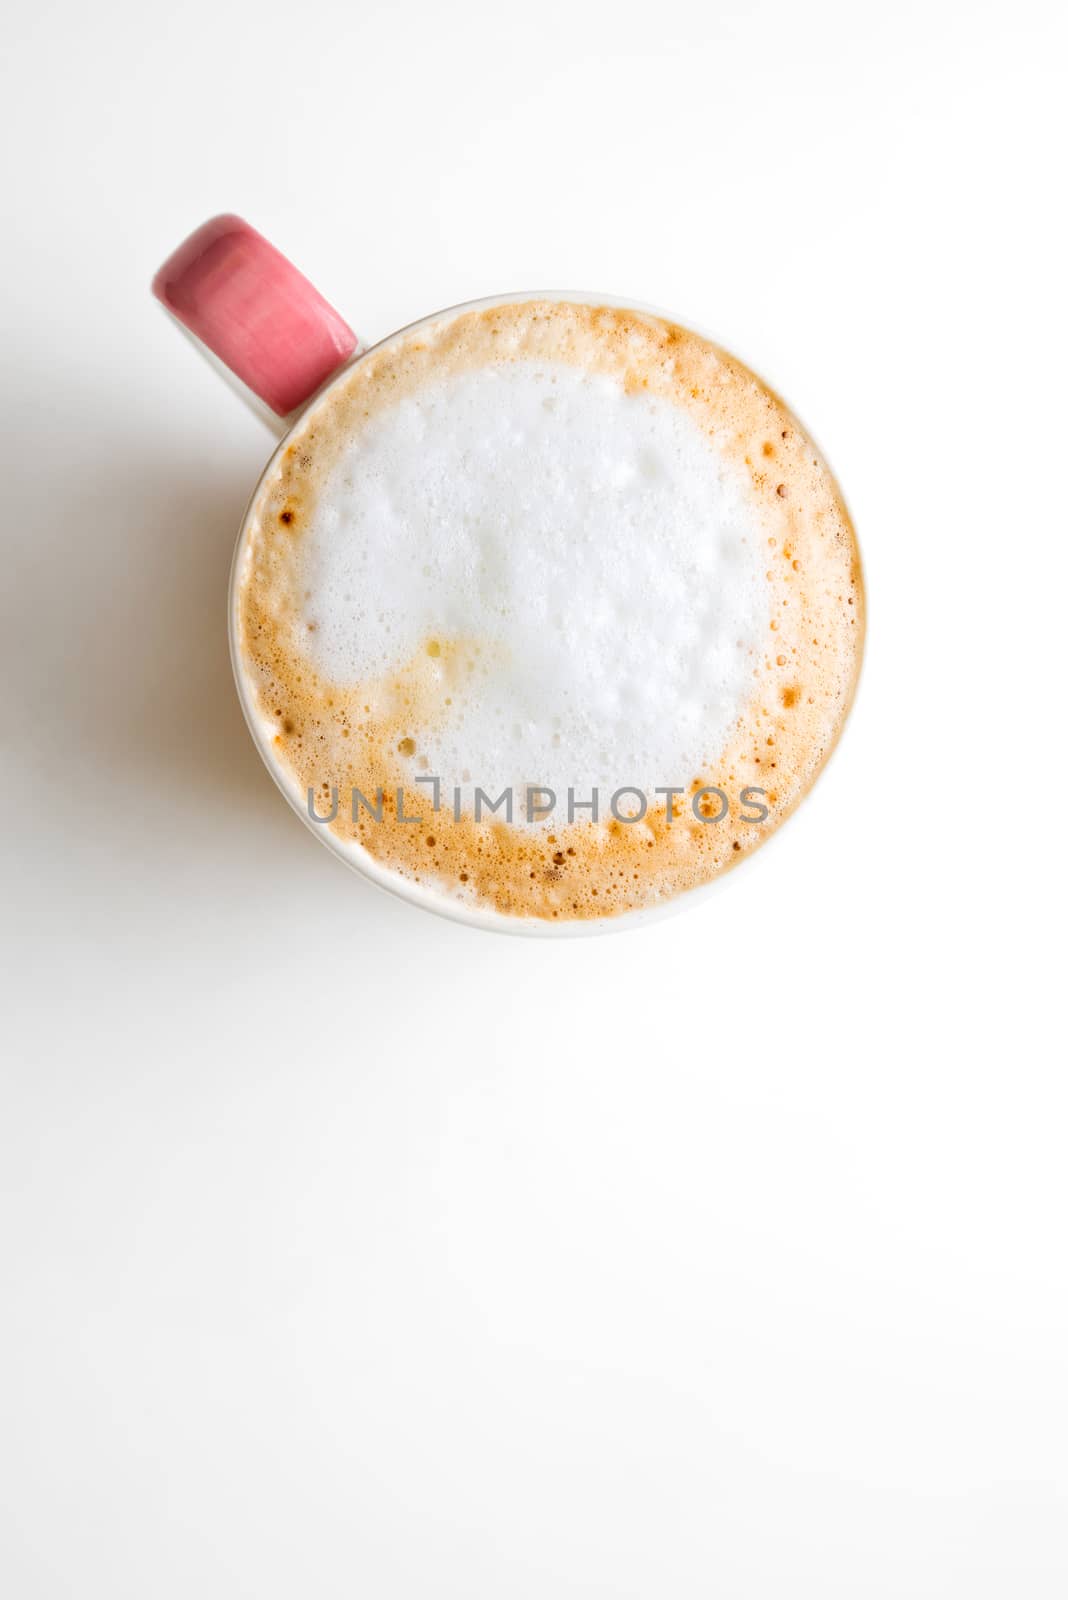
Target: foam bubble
x=583 y=561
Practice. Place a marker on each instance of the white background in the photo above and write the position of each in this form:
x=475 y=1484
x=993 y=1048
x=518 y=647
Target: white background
x=346 y=1252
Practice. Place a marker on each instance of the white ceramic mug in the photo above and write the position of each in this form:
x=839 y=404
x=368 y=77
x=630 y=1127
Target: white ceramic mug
x=250 y=309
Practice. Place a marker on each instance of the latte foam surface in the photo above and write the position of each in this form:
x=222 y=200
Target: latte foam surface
x=594 y=547
x=549 y=544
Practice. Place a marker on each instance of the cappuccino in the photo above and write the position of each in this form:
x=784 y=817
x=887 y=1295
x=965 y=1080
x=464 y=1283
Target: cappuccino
x=549 y=549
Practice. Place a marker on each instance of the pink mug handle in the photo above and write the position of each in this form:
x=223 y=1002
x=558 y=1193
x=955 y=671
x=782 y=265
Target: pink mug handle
x=239 y=296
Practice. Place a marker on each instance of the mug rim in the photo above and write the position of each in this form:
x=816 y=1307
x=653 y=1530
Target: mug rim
x=360 y=860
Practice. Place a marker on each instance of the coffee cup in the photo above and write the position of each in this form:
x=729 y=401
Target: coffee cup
x=545 y=612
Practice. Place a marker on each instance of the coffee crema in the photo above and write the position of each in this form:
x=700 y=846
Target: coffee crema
x=554 y=545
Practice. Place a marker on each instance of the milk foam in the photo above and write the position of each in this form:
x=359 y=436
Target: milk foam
x=595 y=556
x=550 y=543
